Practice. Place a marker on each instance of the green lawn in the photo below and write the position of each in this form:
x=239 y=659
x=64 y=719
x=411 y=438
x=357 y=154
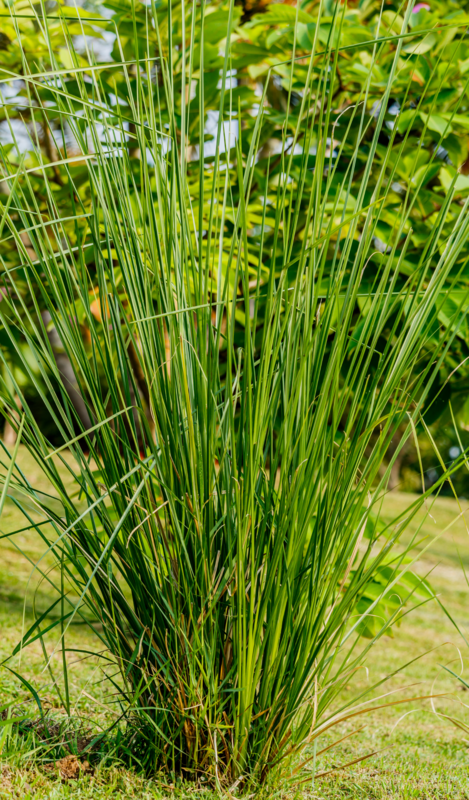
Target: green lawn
x=422 y=754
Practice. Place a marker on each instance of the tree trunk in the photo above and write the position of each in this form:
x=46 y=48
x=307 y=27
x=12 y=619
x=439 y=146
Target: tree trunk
x=66 y=372
x=395 y=475
x=9 y=432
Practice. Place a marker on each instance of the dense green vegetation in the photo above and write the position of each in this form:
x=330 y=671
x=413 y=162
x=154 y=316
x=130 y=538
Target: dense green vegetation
x=427 y=757
x=423 y=137
x=234 y=289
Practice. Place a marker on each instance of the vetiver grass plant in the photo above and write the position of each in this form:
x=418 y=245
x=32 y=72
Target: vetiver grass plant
x=228 y=425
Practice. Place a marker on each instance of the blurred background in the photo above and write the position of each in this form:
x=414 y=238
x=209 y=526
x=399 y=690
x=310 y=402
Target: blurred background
x=262 y=39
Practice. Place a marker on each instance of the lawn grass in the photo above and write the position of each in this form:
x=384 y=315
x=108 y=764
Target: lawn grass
x=421 y=754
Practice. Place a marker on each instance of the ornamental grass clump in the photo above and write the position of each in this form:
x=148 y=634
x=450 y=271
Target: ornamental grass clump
x=236 y=383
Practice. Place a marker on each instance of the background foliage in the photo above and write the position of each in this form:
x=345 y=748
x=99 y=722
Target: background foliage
x=426 y=127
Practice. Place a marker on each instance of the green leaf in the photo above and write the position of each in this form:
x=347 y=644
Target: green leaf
x=436 y=123
x=418 y=48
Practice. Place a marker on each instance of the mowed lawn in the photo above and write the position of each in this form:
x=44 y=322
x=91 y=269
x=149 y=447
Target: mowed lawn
x=419 y=752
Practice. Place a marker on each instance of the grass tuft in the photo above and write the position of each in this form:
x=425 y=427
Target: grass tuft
x=225 y=426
